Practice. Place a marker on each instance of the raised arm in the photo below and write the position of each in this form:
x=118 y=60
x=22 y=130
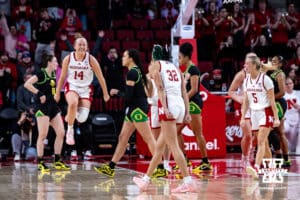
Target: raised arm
x=235 y=84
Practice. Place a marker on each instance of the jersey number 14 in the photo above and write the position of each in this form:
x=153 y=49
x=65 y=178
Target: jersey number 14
x=78 y=75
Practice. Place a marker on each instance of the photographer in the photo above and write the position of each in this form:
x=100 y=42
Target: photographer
x=26 y=126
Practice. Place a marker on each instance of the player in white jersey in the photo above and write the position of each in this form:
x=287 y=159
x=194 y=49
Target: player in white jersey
x=78 y=67
x=292 y=116
x=236 y=92
x=173 y=108
x=259 y=97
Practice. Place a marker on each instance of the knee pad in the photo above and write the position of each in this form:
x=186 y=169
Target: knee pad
x=82 y=114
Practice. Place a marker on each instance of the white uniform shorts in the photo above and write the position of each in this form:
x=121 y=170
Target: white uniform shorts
x=262 y=118
x=153 y=116
x=82 y=92
x=175 y=106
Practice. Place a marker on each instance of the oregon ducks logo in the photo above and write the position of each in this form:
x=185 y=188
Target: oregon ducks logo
x=138 y=115
x=52 y=84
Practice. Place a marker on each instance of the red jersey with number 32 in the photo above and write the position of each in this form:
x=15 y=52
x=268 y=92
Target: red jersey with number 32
x=171 y=78
x=257 y=91
x=80 y=73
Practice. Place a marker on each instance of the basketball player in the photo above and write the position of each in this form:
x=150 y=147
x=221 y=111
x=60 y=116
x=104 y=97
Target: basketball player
x=236 y=92
x=47 y=112
x=173 y=108
x=136 y=109
x=259 y=97
x=192 y=82
x=79 y=68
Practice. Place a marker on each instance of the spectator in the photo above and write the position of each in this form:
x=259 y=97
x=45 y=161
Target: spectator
x=10 y=37
x=226 y=59
x=45 y=35
x=138 y=10
x=24 y=66
x=27 y=127
x=22 y=42
x=262 y=48
x=238 y=32
x=263 y=18
x=70 y=25
x=280 y=29
x=252 y=31
x=21 y=138
x=216 y=83
x=8 y=79
x=293 y=18
x=22 y=14
x=292 y=116
x=168 y=12
x=224 y=25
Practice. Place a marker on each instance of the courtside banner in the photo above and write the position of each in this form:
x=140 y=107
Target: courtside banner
x=214 y=124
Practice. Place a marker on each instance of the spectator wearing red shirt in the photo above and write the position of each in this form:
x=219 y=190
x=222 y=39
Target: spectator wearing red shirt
x=8 y=79
x=293 y=18
x=10 y=37
x=207 y=43
x=22 y=14
x=71 y=24
x=263 y=17
x=225 y=24
x=238 y=32
x=252 y=31
x=280 y=28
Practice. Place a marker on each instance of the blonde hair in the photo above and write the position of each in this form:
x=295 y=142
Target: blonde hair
x=254 y=59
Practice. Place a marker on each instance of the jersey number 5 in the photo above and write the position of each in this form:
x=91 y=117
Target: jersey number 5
x=254 y=97
x=172 y=75
x=78 y=75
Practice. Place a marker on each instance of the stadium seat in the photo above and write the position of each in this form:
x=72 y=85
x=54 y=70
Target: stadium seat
x=163 y=36
x=158 y=24
x=130 y=44
x=125 y=35
x=147 y=45
x=139 y=24
x=144 y=35
x=118 y=24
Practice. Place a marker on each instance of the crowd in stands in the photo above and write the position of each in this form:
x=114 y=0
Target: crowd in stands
x=224 y=34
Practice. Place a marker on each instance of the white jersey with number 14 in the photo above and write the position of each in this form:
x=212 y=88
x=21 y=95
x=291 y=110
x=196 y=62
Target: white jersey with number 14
x=80 y=73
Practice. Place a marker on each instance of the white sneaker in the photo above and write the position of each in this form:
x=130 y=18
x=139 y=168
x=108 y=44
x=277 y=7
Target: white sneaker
x=70 y=137
x=88 y=155
x=17 y=157
x=74 y=155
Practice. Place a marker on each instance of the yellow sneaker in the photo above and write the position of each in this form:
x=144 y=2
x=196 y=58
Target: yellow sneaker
x=160 y=173
x=202 y=167
x=43 y=167
x=59 y=165
x=188 y=164
x=106 y=170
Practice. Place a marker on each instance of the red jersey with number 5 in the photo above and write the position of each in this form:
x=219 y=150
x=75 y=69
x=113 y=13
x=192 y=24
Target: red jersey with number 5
x=256 y=90
x=80 y=73
x=171 y=78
